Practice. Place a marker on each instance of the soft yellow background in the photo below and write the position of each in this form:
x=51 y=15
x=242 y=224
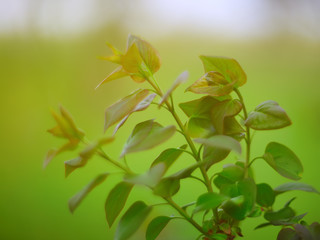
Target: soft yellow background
x=40 y=72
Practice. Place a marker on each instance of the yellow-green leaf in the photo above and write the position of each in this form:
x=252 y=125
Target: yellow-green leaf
x=123 y=107
x=228 y=67
x=77 y=199
x=209 y=201
x=221 y=141
x=148 y=53
x=213 y=84
x=116 y=74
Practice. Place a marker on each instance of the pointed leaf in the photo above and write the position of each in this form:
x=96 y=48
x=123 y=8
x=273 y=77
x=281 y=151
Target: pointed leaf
x=265 y=195
x=198 y=107
x=77 y=199
x=282 y=214
x=149 y=54
x=180 y=79
x=131 y=220
x=116 y=200
x=131 y=61
x=228 y=67
x=209 y=201
x=212 y=155
x=221 y=141
x=213 y=84
x=283 y=160
x=147 y=135
x=169 y=156
x=144 y=104
x=156 y=226
x=295 y=186
x=268 y=115
x=123 y=107
x=116 y=74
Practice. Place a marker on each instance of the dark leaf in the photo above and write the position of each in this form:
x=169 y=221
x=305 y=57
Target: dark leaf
x=116 y=200
x=156 y=226
x=265 y=195
x=131 y=220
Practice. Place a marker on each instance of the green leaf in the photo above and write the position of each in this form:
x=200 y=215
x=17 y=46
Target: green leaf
x=228 y=67
x=148 y=53
x=265 y=195
x=132 y=62
x=131 y=220
x=84 y=156
x=295 y=186
x=219 y=236
x=180 y=79
x=213 y=84
x=268 y=115
x=234 y=207
x=123 y=107
x=169 y=156
x=146 y=135
x=248 y=189
x=199 y=127
x=222 y=110
x=167 y=187
x=150 y=178
x=282 y=214
x=209 y=201
x=283 y=160
x=116 y=200
x=144 y=104
x=221 y=141
x=77 y=199
x=198 y=107
x=232 y=172
x=212 y=155
x=156 y=226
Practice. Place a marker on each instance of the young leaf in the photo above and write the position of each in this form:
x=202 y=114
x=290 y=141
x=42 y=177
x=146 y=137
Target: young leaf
x=268 y=115
x=84 y=156
x=283 y=160
x=265 y=195
x=169 y=156
x=148 y=53
x=219 y=236
x=295 y=186
x=131 y=220
x=209 y=201
x=145 y=103
x=116 y=200
x=213 y=84
x=116 y=74
x=180 y=79
x=123 y=107
x=221 y=141
x=131 y=61
x=156 y=226
x=77 y=199
x=147 y=135
x=228 y=67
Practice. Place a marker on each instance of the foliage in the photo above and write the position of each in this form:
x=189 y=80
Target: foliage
x=218 y=123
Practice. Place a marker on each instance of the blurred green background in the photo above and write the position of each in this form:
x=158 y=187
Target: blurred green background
x=48 y=56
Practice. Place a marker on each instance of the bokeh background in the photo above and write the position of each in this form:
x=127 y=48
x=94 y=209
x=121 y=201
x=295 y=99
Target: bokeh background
x=48 y=57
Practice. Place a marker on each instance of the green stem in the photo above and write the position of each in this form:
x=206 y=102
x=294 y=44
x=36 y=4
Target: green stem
x=154 y=84
x=248 y=137
x=254 y=160
x=117 y=164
